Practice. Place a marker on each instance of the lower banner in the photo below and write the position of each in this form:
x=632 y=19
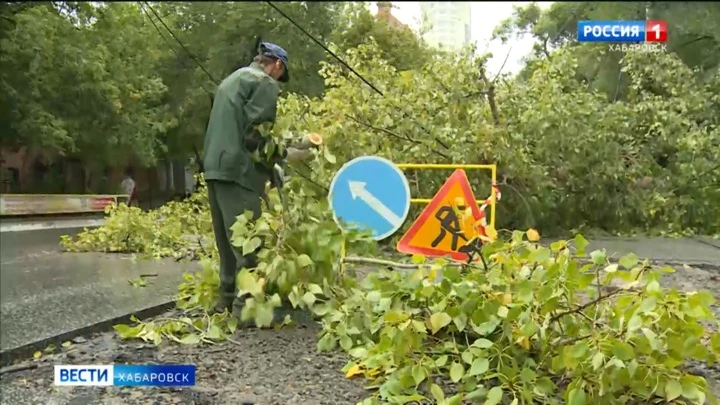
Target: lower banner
x=42 y=204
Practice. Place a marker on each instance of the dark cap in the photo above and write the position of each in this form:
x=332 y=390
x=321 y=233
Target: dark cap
x=274 y=51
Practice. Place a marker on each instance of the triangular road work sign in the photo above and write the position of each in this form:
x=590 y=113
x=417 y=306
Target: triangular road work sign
x=447 y=223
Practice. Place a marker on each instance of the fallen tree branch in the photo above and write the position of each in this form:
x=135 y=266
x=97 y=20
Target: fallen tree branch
x=383 y=130
x=586 y=305
x=389 y=263
x=17 y=367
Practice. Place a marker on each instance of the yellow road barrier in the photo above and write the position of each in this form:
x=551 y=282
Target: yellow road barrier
x=423 y=166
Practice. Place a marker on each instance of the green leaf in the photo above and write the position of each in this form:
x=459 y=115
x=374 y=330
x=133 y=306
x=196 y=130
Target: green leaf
x=692 y=391
x=441 y=361
x=358 y=352
x=309 y=298
x=126 y=332
x=315 y=289
x=579 y=349
x=527 y=375
x=346 y=342
x=577 y=396
x=304 y=260
x=467 y=356
x=597 y=360
x=598 y=257
x=418 y=373
x=247 y=284
x=329 y=156
x=673 y=389
x=539 y=255
x=634 y=323
x=419 y=326
x=479 y=366
x=264 y=316
x=502 y=311
x=213 y=332
x=494 y=396
x=460 y=321
x=437 y=393
x=249 y=245
x=647 y=305
x=190 y=339
x=479 y=392
x=482 y=343
x=232 y=324
x=395 y=317
x=373 y=296
x=439 y=320
x=653 y=286
x=485 y=328
x=455 y=399
x=580 y=244
x=629 y=261
x=623 y=351
x=457 y=371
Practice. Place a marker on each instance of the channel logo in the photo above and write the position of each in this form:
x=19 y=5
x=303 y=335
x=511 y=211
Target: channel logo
x=622 y=31
x=125 y=375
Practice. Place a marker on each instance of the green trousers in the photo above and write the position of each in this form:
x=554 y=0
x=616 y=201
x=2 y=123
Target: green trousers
x=227 y=201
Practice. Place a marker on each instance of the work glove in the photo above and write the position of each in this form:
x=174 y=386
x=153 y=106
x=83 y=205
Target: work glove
x=302 y=149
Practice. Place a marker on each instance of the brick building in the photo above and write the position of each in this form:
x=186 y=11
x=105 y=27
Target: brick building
x=385 y=13
x=34 y=172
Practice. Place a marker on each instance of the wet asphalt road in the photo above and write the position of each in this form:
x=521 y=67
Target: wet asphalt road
x=45 y=292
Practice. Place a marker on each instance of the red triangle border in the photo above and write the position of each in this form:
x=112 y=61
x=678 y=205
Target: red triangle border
x=458 y=176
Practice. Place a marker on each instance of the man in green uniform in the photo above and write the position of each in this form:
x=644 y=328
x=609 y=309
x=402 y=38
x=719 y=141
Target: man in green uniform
x=235 y=181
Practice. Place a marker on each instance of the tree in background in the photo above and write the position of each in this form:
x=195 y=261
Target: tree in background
x=694 y=35
x=107 y=82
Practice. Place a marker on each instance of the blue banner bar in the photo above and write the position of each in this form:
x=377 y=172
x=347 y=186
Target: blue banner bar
x=153 y=375
x=611 y=31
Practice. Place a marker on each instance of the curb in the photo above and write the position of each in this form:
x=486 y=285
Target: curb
x=10 y=356
x=712 y=243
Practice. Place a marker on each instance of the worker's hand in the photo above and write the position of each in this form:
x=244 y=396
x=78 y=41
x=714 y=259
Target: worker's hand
x=296 y=155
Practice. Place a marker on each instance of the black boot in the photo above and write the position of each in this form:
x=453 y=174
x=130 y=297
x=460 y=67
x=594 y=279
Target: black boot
x=225 y=302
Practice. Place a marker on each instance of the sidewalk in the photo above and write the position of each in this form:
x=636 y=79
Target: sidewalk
x=44 y=292
x=686 y=251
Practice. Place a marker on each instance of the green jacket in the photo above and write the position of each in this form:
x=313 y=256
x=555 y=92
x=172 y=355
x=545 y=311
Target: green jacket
x=244 y=100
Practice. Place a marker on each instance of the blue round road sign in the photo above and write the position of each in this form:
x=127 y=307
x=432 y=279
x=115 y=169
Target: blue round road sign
x=370 y=193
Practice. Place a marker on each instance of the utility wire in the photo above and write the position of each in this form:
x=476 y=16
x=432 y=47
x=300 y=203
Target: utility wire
x=181 y=44
x=324 y=47
x=438 y=140
x=309 y=36
x=167 y=43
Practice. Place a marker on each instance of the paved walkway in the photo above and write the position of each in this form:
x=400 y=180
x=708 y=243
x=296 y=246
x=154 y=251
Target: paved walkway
x=44 y=293
x=688 y=251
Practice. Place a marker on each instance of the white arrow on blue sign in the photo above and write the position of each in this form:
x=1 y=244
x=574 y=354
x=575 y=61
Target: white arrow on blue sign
x=370 y=193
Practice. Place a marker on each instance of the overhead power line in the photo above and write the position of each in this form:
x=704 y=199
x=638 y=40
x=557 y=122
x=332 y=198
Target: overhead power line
x=287 y=17
x=298 y=26
x=200 y=65
x=167 y=43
